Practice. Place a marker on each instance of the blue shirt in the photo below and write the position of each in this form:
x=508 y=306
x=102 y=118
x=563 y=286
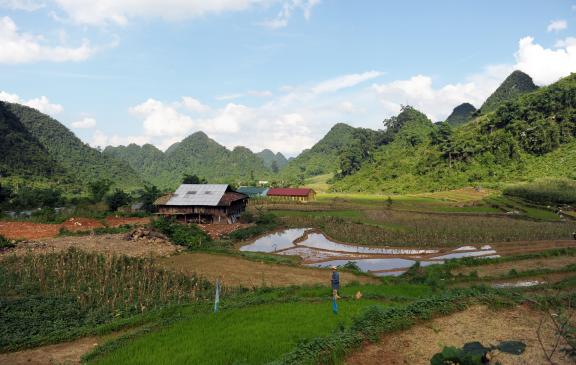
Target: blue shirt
x=335 y=280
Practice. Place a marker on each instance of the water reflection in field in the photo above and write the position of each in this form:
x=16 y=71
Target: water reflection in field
x=317 y=250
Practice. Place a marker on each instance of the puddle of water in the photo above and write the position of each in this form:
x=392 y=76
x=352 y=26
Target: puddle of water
x=465 y=248
x=374 y=264
x=275 y=241
x=518 y=284
x=318 y=240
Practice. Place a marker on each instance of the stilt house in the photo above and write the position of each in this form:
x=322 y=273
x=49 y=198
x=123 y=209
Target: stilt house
x=203 y=203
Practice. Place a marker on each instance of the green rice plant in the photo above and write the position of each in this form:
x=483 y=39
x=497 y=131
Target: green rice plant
x=389 y=227
x=545 y=191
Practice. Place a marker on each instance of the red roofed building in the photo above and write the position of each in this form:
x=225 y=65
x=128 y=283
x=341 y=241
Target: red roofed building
x=300 y=194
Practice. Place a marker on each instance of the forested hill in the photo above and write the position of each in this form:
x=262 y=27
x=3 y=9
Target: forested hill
x=62 y=151
x=461 y=114
x=196 y=154
x=516 y=84
x=529 y=137
x=20 y=153
x=273 y=161
x=325 y=156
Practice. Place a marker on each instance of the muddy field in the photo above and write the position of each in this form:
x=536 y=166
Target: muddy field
x=236 y=271
x=418 y=344
x=32 y=231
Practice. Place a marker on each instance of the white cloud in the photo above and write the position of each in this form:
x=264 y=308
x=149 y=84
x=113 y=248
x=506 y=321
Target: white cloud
x=194 y=105
x=557 y=25
x=119 y=12
x=41 y=103
x=545 y=65
x=26 y=5
x=565 y=43
x=289 y=7
x=345 y=81
x=84 y=123
x=17 y=47
x=161 y=119
x=101 y=139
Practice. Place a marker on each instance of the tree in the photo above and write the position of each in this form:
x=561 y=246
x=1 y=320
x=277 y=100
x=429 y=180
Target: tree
x=193 y=179
x=274 y=167
x=5 y=194
x=98 y=189
x=118 y=199
x=148 y=196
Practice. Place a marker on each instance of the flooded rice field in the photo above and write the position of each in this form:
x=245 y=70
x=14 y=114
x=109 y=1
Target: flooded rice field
x=317 y=250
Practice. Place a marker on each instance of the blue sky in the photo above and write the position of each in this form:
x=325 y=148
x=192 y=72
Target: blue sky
x=268 y=73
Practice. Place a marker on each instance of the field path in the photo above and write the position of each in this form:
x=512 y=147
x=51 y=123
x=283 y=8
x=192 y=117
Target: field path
x=238 y=271
x=62 y=353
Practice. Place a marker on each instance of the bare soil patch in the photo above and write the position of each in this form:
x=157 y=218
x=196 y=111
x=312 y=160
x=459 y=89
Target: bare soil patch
x=110 y=244
x=418 y=344
x=522 y=265
x=235 y=271
x=62 y=353
x=32 y=231
x=215 y=231
x=28 y=230
x=120 y=221
x=523 y=247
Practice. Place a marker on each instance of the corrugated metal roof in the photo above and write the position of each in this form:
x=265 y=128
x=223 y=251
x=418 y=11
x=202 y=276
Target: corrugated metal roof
x=252 y=190
x=198 y=194
x=289 y=191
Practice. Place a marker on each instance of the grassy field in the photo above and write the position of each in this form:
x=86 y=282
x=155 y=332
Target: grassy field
x=252 y=335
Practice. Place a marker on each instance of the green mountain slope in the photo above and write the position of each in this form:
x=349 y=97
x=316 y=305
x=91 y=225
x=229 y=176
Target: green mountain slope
x=531 y=137
x=324 y=157
x=148 y=161
x=269 y=157
x=461 y=114
x=78 y=159
x=20 y=153
x=516 y=84
x=196 y=154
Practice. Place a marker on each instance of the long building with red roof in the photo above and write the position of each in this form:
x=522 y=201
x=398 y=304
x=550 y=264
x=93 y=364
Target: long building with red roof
x=300 y=194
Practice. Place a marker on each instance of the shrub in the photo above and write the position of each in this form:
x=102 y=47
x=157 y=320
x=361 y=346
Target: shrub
x=188 y=235
x=5 y=243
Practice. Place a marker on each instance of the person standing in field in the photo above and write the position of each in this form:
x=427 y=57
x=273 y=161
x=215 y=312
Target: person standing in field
x=335 y=282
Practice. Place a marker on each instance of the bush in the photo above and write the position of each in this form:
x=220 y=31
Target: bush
x=188 y=235
x=246 y=217
x=545 y=191
x=264 y=222
x=5 y=243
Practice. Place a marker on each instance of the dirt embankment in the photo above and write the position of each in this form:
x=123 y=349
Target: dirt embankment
x=522 y=265
x=418 y=344
x=235 y=271
x=31 y=231
x=109 y=244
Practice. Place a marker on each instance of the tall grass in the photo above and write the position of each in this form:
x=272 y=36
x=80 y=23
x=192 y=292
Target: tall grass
x=545 y=191
x=388 y=227
x=116 y=284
